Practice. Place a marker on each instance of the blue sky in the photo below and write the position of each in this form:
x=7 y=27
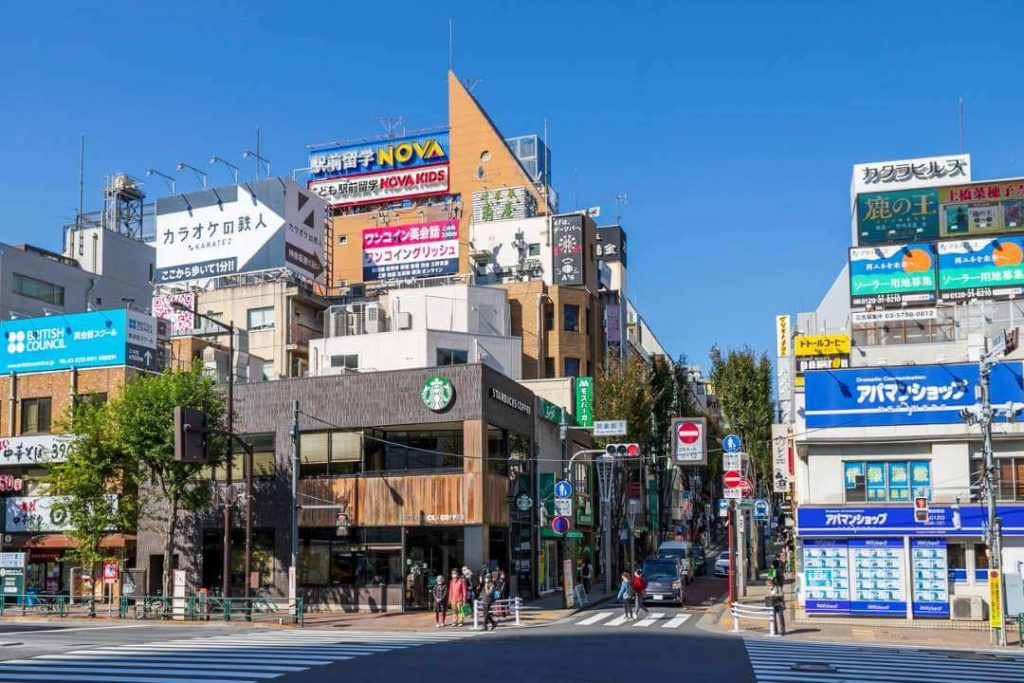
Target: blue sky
x=731 y=126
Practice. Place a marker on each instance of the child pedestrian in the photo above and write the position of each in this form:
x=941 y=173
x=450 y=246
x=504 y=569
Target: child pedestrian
x=440 y=602
x=626 y=594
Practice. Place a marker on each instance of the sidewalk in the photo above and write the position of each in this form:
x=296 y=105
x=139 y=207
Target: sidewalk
x=799 y=626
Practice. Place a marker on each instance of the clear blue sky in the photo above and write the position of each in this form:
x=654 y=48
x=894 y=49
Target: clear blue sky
x=731 y=126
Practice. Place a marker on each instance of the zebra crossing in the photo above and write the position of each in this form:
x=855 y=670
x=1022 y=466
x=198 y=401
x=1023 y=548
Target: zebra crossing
x=776 y=660
x=649 y=619
x=232 y=658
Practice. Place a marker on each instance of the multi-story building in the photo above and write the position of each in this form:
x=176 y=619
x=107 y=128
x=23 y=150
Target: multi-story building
x=875 y=381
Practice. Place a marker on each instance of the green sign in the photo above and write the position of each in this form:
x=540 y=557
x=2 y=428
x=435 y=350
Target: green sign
x=906 y=215
x=550 y=412
x=989 y=268
x=437 y=392
x=12 y=581
x=574 y=534
x=585 y=401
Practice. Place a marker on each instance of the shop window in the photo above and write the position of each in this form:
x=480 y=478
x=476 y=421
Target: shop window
x=327 y=560
x=572 y=367
x=570 y=318
x=980 y=561
x=497 y=451
x=35 y=415
x=886 y=481
x=261 y=319
x=452 y=357
x=40 y=290
x=956 y=557
x=330 y=453
x=414 y=450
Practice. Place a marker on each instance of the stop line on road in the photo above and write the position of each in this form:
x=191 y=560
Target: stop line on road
x=650 y=619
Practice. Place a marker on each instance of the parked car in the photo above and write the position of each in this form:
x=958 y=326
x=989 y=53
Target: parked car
x=699 y=561
x=722 y=564
x=682 y=551
x=664 y=580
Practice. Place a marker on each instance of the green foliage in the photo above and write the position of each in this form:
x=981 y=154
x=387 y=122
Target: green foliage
x=623 y=391
x=743 y=386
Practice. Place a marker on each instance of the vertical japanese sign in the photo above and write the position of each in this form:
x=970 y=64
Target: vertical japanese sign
x=567 y=249
x=907 y=215
x=995 y=598
x=585 y=401
x=892 y=275
x=411 y=251
x=782 y=336
x=781 y=460
x=981 y=269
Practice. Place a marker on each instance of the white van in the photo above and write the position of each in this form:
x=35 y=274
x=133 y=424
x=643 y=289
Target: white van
x=682 y=551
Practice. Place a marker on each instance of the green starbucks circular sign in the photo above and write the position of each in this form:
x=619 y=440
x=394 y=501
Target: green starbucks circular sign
x=437 y=392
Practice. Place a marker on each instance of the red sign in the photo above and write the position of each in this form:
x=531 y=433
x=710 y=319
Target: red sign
x=560 y=525
x=633 y=490
x=732 y=479
x=747 y=488
x=109 y=572
x=688 y=432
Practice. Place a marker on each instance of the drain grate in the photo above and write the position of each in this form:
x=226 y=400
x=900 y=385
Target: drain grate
x=813 y=667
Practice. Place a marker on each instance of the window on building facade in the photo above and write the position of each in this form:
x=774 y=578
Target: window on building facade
x=38 y=289
x=349 y=361
x=956 y=559
x=572 y=367
x=330 y=453
x=942 y=329
x=587 y=328
x=35 y=415
x=93 y=400
x=452 y=357
x=1009 y=483
x=397 y=451
x=367 y=558
x=570 y=318
x=261 y=319
x=549 y=367
x=980 y=561
x=879 y=481
x=533 y=249
x=549 y=317
x=264 y=460
x=268 y=370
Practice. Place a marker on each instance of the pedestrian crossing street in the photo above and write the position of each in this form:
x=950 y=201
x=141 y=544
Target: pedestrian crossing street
x=776 y=660
x=647 y=619
x=233 y=658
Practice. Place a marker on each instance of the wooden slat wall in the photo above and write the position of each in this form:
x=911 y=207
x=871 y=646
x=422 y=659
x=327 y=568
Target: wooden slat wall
x=474 y=446
x=496 y=500
x=390 y=501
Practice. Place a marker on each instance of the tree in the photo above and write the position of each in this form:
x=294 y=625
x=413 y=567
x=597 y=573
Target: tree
x=743 y=385
x=137 y=431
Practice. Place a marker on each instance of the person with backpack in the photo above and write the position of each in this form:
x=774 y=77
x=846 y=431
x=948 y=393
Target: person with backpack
x=585 y=572
x=440 y=602
x=627 y=595
x=640 y=588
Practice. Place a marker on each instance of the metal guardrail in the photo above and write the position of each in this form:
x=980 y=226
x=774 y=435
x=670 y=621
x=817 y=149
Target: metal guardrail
x=26 y=603
x=754 y=612
x=501 y=609
x=205 y=608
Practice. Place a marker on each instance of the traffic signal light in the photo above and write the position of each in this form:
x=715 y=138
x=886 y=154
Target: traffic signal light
x=921 y=510
x=190 y=435
x=623 y=450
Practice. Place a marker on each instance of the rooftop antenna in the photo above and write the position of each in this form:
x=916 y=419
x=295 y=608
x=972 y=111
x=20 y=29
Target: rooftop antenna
x=256 y=157
x=620 y=201
x=471 y=83
x=961 y=125
x=575 y=200
x=391 y=125
x=81 y=182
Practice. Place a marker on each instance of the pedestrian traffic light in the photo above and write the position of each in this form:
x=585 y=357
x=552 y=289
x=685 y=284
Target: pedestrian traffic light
x=623 y=450
x=921 y=510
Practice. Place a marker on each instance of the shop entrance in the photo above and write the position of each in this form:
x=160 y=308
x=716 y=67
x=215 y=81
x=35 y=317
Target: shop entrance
x=429 y=551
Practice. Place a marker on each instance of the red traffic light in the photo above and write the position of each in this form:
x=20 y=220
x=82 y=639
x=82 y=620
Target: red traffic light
x=626 y=450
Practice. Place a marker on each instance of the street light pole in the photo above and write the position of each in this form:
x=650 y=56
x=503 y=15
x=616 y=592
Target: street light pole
x=994 y=523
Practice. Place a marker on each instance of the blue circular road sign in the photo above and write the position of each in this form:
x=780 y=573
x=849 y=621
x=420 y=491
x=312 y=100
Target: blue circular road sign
x=563 y=489
x=732 y=444
x=560 y=525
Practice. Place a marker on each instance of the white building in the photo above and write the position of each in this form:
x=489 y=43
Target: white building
x=413 y=328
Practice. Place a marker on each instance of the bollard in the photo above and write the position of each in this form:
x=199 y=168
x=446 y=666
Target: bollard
x=476 y=625
x=518 y=605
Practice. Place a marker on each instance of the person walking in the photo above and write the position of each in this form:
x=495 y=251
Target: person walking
x=501 y=588
x=640 y=588
x=627 y=595
x=440 y=602
x=457 y=597
x=486 y=600
x=585 y=572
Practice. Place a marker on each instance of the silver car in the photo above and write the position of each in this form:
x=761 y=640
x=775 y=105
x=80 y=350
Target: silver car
x=722 y=564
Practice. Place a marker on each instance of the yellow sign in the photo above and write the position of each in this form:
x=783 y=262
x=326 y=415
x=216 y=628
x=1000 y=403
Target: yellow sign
x=995 y=599
x=782 y=336
x=822 y=344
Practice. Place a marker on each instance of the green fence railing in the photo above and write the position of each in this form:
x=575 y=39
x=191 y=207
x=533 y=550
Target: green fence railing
x=193 y=608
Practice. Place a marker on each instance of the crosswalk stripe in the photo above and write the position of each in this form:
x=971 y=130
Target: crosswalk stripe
x=617 y=621
x=229 y=664
x=157 y=670
x=676 y=621
x=600 y=616
x=654 y=616
x=55 y=677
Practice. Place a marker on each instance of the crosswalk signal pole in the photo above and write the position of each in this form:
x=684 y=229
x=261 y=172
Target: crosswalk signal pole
x=995 y=551
x=732 y=555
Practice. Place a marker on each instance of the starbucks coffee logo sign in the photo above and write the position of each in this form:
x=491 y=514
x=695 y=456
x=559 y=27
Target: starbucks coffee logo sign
x=437 y=393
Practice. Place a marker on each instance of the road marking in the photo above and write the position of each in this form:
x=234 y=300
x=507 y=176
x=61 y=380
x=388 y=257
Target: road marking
x=617 y=621
x=654 y=616
x=676 y=621
x=600 y=616
x=67 y=630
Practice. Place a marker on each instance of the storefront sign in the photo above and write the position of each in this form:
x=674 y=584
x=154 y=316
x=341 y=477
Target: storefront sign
x=613 y=323
x=908 y=215
x=898 y=520
x=911 y=173
x=552 y=413
x=383 y=187
x=411 y=251
x=567 y=250
x=182 y=322
x=12 y=580
x=584 y=401
x=33 y=450
x=359 y=159
x=437 y=392
x=826 y=577
x=982 y=209
x=239 y=229
x=892 y=275
x=981 y=269
x=995 y=598
x=821 y=344
x=898 y=315
x=820 y=363
x=39 y=513
x=79 y=340
x=502 y=204
x=919 y=394
x=511 y=401
x=781 y=474
x=930 y=577
x=782 y=336
x=611 y=246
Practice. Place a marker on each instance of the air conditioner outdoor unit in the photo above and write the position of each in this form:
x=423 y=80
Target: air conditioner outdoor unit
x=374 y=317
x=968 y=609
x=405 y=320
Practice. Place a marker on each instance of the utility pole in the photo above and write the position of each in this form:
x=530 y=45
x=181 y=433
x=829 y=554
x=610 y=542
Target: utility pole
x=995 y=541
x=293 y=569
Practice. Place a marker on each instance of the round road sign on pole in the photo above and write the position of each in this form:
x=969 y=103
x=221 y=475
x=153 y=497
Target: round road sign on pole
x=746 y=487
x=688 y=432
x=563 y=489
x=560 y=525
x=732 y=479
x=731 y=443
